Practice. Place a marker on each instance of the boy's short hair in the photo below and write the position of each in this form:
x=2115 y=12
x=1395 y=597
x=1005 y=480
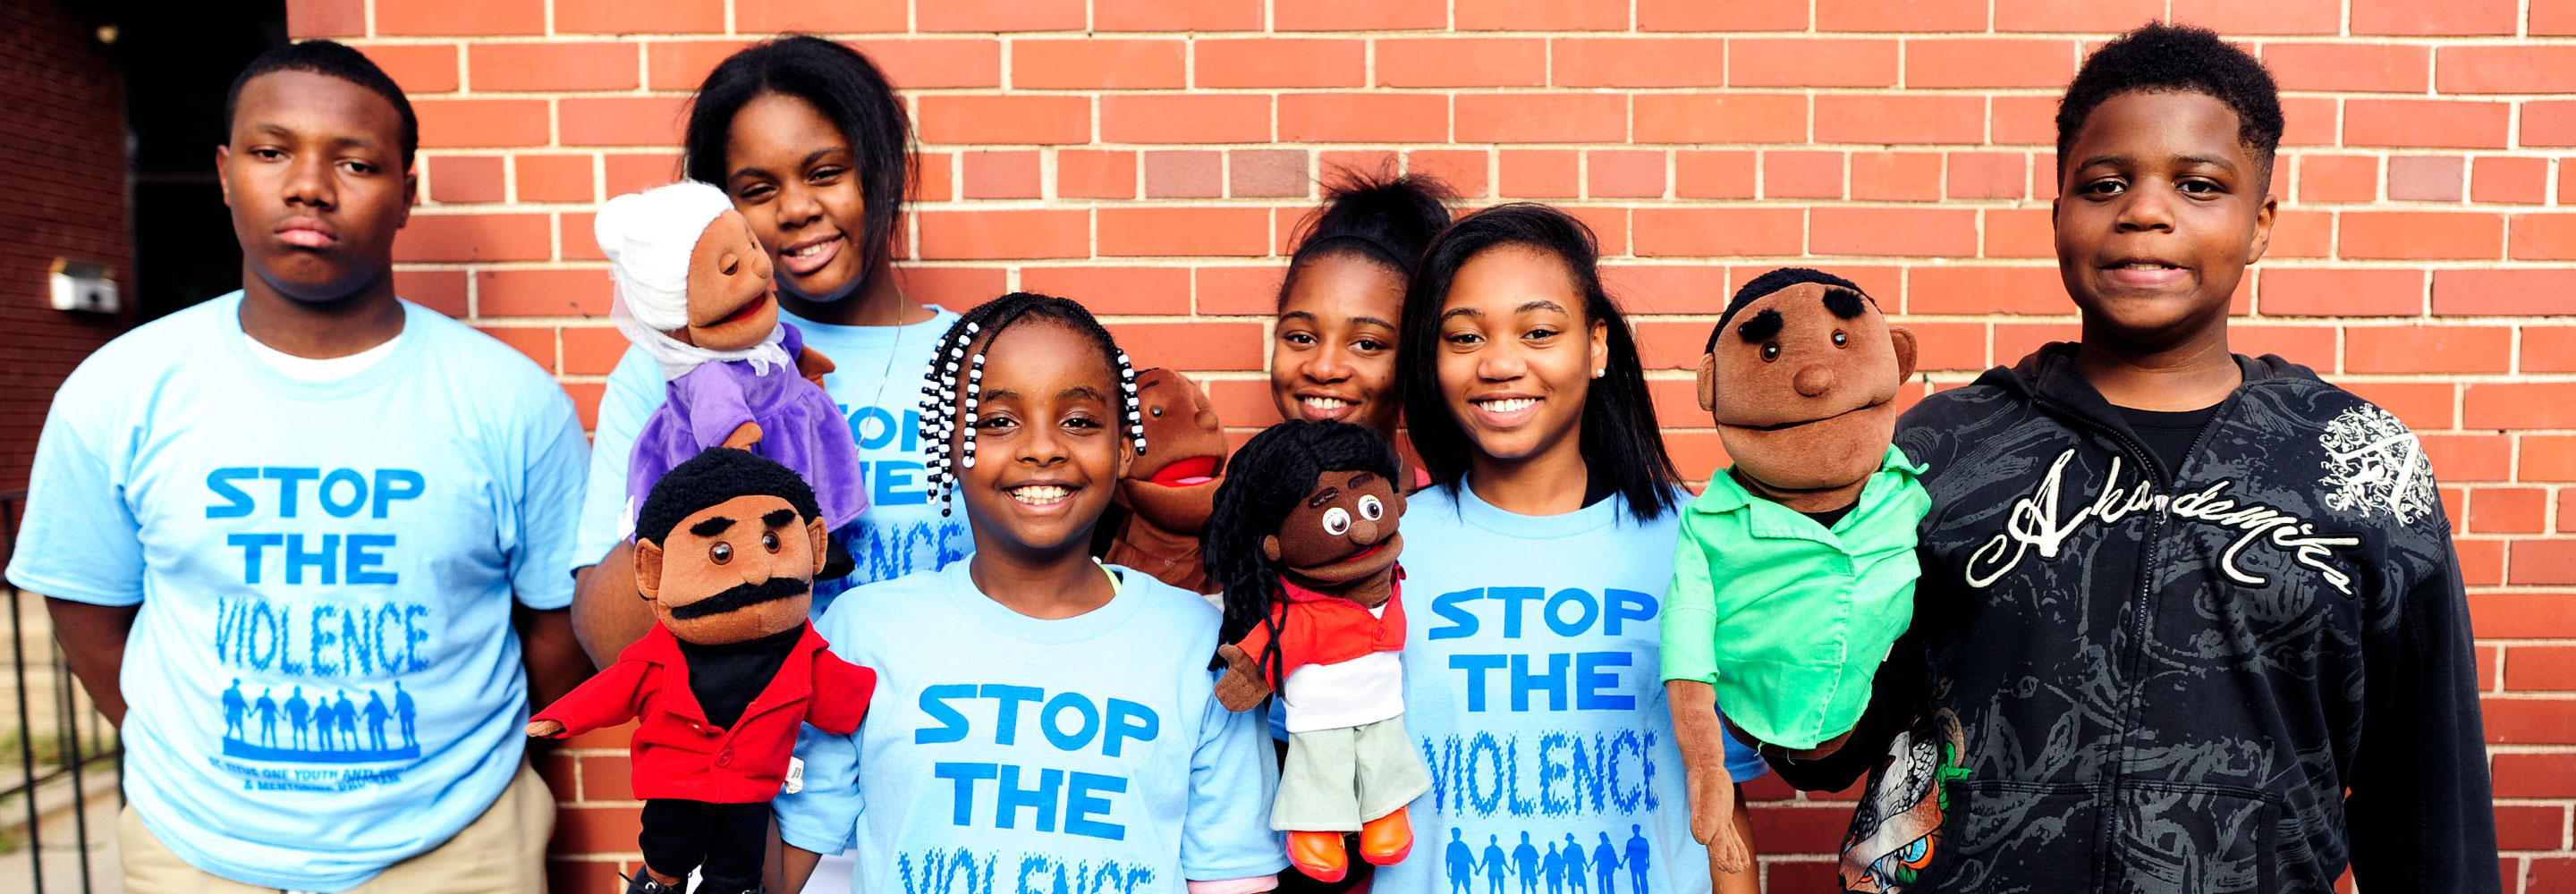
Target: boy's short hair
x=2167 y=57
x=334 y=59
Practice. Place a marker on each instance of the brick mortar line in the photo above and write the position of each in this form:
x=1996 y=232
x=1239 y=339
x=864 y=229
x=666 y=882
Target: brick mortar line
x=2002 y=91
x=2254 y=41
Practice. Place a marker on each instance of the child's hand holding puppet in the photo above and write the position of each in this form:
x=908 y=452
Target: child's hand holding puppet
x=1796 y=570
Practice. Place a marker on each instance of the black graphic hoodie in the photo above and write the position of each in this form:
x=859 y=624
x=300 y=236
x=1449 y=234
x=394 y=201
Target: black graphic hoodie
x=2234 y=676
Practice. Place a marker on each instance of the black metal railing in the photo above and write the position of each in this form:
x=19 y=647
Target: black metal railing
x=60 y=748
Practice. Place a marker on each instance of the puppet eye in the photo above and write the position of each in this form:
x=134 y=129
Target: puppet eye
x=1770 y=351
x=1371 y=509
x=1841 y=339
x=720 y=553
x=769 y=542
x=727 y=264
x=1337 y=521
x=1157 y=411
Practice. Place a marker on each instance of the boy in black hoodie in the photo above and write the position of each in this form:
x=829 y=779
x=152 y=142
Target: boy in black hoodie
x=2189 y=621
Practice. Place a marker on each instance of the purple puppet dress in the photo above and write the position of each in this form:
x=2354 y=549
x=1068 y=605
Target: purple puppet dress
x=800 y=427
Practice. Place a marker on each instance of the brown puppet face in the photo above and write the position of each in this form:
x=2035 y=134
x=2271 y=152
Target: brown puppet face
x=739 y=570
x=1343 y=534
x=1173 y=486
x=730 y=307
x=1803 y=385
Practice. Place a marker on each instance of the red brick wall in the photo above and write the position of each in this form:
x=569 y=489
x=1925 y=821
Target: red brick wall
x=1150 y=156
x=64 y=197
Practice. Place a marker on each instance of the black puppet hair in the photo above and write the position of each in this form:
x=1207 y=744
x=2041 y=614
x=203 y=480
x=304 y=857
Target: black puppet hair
x=1383 y=218
x=2166 y=57
x=1620 y=438
x=713 y=476
x=1266 y=481
x=1780 y=279
x=839 y=82
x=955 y=379
x=333 y=59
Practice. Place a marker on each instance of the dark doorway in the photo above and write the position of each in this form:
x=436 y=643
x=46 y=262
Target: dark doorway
x=179 y=58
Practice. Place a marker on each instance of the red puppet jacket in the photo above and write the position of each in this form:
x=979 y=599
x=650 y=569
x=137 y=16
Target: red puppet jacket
x=1321 y=628
x=678 y=754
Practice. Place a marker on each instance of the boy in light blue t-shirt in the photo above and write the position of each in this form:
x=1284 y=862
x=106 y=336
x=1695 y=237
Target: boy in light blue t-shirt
x=284 y=534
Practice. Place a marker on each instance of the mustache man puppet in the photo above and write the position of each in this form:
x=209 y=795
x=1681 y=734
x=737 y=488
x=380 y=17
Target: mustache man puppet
x=1169 y=491
x=726 y=547
x=1303 y=540
x=694 y=291
x=1796 y=569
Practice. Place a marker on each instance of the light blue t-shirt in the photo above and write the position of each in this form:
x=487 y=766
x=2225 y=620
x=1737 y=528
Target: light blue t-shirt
x=1533 y=687
x=322 y=677
x=877 y=381
x=1004 y=753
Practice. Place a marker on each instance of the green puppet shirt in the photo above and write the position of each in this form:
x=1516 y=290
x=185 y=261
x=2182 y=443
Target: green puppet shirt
x=1807 y=613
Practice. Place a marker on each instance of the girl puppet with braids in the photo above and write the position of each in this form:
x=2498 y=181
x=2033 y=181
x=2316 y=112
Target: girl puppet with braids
x=1304 y=542
x=1042 y=710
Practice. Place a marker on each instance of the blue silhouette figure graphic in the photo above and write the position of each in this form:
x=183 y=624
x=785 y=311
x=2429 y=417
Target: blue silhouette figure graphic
x=1555 y=863
x=299 y=712
x=266 y=708
x=346 y=714
x=1526 y=857
x=1638 y=861
x=1462 y=863
x=234 y=707
x=408 y=713
x=1574 y=865
x=1605 y=864
x=1497 y=865
x=376 y=717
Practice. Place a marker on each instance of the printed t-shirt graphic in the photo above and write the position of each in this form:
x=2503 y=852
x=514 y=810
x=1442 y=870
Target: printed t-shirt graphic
x=1005 y=753
x=877 y=382
x=322 y=677
x=1533 y=687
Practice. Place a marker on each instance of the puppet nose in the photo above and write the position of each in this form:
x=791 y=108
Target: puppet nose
x=1364 y=532
x=1814 y=380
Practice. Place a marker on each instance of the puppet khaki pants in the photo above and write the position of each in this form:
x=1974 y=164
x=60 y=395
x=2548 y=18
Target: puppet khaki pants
x=501 y=852
x=1335 y=780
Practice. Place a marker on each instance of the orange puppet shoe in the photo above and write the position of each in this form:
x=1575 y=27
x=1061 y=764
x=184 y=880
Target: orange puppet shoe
x=1387 y=839
x=1318 y=855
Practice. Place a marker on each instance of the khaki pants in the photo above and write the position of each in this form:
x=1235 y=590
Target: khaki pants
x=501 y=852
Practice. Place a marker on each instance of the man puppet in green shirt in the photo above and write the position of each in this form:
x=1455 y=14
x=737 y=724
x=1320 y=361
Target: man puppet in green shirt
x=1796 y=569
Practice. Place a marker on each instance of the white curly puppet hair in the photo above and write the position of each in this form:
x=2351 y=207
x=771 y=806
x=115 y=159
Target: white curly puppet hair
x=648 y=237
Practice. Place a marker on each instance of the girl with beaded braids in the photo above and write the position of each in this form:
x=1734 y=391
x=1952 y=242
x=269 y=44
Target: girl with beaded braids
x=1097 y=673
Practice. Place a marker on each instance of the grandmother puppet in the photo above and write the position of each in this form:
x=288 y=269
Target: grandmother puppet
x=1303 y=541
x=1170 y=489
x=726 y=548
x=1795 y=572
x=694 y=291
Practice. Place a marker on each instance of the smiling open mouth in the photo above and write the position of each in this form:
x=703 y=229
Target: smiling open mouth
x=1041 y=494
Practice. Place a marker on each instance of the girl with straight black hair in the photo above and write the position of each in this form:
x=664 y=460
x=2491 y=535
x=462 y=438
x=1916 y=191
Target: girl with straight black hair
x=1614 y=416
x=1537 y=564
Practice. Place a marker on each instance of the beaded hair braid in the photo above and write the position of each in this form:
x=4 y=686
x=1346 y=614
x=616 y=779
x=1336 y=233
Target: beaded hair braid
x=940 y=392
